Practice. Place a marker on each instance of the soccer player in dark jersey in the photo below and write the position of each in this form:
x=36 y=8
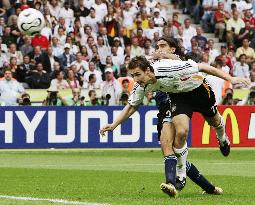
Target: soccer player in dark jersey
x=164 y=117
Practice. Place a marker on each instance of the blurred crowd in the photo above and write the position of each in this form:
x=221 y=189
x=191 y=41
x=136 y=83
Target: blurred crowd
x=87 y=44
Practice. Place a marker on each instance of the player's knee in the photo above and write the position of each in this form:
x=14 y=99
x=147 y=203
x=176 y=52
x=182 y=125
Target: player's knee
x=181 y=136
x=182 y=133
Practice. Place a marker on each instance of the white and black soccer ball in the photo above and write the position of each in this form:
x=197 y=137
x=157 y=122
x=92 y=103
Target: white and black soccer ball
x=30 y=21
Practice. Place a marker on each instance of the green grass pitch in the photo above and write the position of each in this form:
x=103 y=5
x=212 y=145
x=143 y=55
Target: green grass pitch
x=121 y=177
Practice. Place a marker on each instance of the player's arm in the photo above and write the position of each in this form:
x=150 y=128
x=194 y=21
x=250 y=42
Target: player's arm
x=135 y=99
x=124 y=115
x=206 y=68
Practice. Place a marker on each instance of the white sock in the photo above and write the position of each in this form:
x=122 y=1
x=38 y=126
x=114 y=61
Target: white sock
x=181 y=155
x=220 y=131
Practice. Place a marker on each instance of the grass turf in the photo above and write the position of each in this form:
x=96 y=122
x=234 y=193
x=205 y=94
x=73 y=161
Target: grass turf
x=121 y=177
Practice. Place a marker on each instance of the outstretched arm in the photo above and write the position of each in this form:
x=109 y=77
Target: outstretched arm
x=125 y=114
x=206 y=68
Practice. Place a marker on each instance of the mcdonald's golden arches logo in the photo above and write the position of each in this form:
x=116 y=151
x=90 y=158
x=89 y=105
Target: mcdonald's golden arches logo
x=235 y=128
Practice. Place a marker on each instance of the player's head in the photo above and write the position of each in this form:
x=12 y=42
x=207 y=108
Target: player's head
x=141 y=70
x=169 y=44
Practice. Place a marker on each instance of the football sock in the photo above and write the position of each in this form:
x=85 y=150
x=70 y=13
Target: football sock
x=220 y=131
x=170 y=168
x=198 y=178
x=181 y=155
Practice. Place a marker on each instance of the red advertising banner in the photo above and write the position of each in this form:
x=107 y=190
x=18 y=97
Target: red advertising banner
x=240 y=127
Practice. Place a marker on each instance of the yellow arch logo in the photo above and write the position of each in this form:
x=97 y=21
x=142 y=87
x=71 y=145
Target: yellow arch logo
x=235 y=128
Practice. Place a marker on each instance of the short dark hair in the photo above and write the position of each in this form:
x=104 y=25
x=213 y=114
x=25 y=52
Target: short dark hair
x=241 y=56
x=140 y=62
x=91 y=76
x=90 y=92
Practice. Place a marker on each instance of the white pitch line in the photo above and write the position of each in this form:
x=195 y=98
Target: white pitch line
x=60 y=201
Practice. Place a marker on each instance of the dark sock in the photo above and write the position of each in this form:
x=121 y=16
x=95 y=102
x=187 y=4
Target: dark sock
x=198 y=178
x=170 y=169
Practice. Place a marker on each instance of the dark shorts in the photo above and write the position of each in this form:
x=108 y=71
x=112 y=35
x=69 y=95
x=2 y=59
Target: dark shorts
x=201 y=99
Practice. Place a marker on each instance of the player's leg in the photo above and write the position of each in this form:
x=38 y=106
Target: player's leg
x=206 y=106
x=181 y=125
x=170 y=160
x=217 y=122
x=194 y=174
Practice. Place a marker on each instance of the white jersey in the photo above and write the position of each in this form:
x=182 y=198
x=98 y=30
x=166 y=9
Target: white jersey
x=173 y=76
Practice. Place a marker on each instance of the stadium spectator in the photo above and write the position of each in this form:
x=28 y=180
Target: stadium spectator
x=39 y=78
x=91 y=84
x=54 y=98
x=57 y=49
x=61 y=36
x=119 y=46
x=76 y=99
x=78 y=76
x=233 y=26
x=228 y=97
x=92 y=70
x=36 y=56
x=122 y=34
x=13 y=66
x=149 y=32
x=59 y=82
x=202 y=41
x=81 y=11
x=103 y=51
x=72 y=80
x=158 y=19
x=54 y=8
x=8 y=38
x=111 y=88
x=56 y=68
x=40 y=40
x=247 y=32
x=100 y=9
x=116 y=59
x=209 y=6
x=213 y=52
x=66 y=59
x=74 y=49
x=25 y=70
x=247 y=50
x=26 y=48
x=220 y=18
x=110 y=64
x=188 y=30
x=12 y=52
x=67 y=13
x=49 y=59
x=93 y=100
x=10 y=89
x=241 y=69
x=136 y=50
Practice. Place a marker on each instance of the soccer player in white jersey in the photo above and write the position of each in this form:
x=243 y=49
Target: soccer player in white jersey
x=172 y=76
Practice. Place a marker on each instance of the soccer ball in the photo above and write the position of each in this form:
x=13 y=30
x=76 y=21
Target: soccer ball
x=30 y=21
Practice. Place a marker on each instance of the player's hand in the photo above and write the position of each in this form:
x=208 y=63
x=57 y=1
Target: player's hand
x=106 y=128
x=237 y=80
